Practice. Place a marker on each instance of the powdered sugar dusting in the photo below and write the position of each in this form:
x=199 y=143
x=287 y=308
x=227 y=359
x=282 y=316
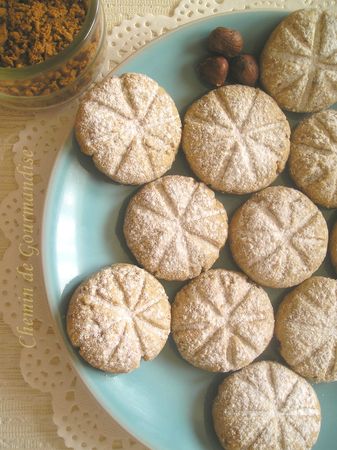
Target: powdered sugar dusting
x=313 y=157
x=175 y=227
x=299 y=61
x=221 y=321
x=307 y=329
x=118 y=316
x=278 y=237
x=131 y=127
x=266 y=406
x=236 y=139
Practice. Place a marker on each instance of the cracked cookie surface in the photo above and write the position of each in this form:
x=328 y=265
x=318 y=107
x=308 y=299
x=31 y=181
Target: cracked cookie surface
x=118 y=316
x=221 y=321
x=278 y=237
x=236 y=139
x=175 y=227
x=131 y=128
x=266 y=406
x=306 y=326
x=299 y=61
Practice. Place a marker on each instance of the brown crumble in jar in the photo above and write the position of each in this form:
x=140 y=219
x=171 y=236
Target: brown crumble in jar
x=35 y=31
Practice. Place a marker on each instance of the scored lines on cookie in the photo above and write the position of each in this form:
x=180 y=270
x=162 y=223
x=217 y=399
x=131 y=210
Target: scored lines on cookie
x=140 y=339
x=205 y=239
x=119 y=343
x=171 y=214
x=212 y=336
x=284 y=238
x=320 y=125
x=312 y=68
x=135 y=139
x=112 y=108
x=312 y=63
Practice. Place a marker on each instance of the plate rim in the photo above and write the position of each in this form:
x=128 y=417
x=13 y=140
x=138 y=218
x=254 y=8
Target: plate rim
x=43 y=241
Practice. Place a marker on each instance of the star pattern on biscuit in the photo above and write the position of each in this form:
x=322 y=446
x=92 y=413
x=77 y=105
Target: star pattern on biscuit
x=320 y=313
x=292 y=231
x=200 y=226
x=308 y=60
x=249 y=150
x=281 y=404
x=225 y=312
x=122 y=323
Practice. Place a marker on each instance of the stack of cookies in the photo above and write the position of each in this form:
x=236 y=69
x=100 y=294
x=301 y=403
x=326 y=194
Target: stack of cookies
x=236 y=140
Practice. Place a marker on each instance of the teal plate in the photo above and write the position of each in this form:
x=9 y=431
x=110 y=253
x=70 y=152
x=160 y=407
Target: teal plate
x=166 y=403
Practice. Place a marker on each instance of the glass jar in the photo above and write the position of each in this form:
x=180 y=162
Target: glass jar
x=63 y=76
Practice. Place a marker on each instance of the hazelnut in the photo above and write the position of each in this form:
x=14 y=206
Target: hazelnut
x=214 y=70
x=225 y=41
x=244 y=69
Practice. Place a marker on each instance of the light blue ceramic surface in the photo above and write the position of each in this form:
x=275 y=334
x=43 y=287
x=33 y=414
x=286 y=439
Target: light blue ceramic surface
x=166 y=403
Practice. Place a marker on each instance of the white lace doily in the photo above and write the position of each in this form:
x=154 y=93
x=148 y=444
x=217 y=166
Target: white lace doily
x=79 y=419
